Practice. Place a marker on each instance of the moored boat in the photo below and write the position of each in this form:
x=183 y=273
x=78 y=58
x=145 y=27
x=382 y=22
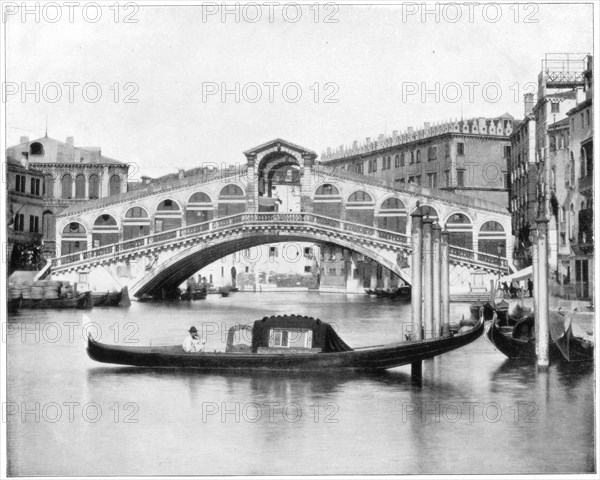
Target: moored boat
x=518 y=341
x=286 y=343
x=108 y=299
x=14 y=304
x=81 y=300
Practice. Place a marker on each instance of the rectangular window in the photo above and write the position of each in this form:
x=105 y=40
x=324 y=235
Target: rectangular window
x=507 y=151
x=247 y=269
x=411 y=179
x=582 y=124
x=402 y=180
x=389 y=162
x=374 y=164
x=432 y=180
x=20 y=183
x=587 y=113
x=83 y=277
x=555 y=107
x=460 y=178
x=31 y=223
x=505 y=179
x=418 y=179
x=460 y=148
x=418 y=156
x=431 y=154
x=447 y=175
x=272 y=251
x=402 y=159
x=447 y=148
x=307 y=268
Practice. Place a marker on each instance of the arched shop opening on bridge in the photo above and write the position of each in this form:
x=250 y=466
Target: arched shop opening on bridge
x=136 y=223
x=492 y=239
x=328 y=201
x=74 y=239
x=392 y=215
x=360 y=208
x=231 y=201
x=461 y=231
x=199 y=209
x=105 y=231
x=167 y=216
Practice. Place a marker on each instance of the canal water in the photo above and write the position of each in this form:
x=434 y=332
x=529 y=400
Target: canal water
x=475 y=412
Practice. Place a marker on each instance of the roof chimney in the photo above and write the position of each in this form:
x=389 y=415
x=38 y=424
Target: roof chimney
x=427 y=125
x=409 y=130
x=528 y=101
x=181 y=173
x=70 y=141
x=395 y=133
x=24 y=140
x=355 y=144
x=146 y=179
x=368 y=140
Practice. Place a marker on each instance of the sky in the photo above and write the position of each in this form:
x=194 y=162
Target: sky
x=150 y=92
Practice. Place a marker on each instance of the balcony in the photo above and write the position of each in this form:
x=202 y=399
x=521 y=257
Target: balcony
x=586 y=185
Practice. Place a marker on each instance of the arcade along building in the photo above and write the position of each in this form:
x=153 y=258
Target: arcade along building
x=71 y=175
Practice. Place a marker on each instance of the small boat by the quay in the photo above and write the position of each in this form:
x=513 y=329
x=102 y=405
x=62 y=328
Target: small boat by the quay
x=111 y=299
x=518 y=341
x=194 y=295
x=285 y=343
x=80 y=300
x=13 y=305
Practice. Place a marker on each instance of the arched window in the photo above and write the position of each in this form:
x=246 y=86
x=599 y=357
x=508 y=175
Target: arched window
x=199 y=209
x=327 y=189
x=36 y=148
x=67 y=186
x=114 y=185
x=94 y=187
x=136 y=223
x=199 y=197
x=360 y=208
x=231 y=201
x=105 y=231
x=392 y=215
x=74 y=239
x=167 y=216
x=328 y=201
x=359 y=197
x=461 y=231
x=428 y=211
x=80 y=186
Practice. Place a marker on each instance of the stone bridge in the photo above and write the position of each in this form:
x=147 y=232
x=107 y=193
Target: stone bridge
x=158 y=236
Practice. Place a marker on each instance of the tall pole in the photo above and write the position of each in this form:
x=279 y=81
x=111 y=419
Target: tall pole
x=445 y=281
x=542 y=317
x=437 y=279
x=536 y=284
x=417 y=277
x=428 y=277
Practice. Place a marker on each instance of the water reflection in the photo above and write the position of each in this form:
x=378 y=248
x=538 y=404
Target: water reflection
x=164 y=421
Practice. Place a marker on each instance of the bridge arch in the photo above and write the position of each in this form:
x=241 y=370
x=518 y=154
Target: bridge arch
x=170 y=273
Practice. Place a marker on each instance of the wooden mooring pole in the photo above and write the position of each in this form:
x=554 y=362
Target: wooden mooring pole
x=542 y=315
x=416 y=292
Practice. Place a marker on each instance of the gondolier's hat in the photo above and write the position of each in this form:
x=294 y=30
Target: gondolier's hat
x=193 y=330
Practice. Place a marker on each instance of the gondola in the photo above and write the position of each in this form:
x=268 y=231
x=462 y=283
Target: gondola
x=14 y=304
x=518 y=341
x=80 y=300
x=295 y=343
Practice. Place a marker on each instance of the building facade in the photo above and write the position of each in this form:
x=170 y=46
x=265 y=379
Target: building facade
x=71 y=175
x=466 y=156
x=551 y=173
x=25 y=206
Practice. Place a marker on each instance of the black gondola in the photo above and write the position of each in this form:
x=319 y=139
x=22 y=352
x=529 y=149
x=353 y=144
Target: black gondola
x=322 y=350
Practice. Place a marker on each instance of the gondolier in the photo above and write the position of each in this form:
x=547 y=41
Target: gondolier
x=192 y=342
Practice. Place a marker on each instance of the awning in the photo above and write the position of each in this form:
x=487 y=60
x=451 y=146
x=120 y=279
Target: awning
x=518 y=276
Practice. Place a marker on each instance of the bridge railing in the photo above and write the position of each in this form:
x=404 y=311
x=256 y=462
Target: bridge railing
x=240 y=219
